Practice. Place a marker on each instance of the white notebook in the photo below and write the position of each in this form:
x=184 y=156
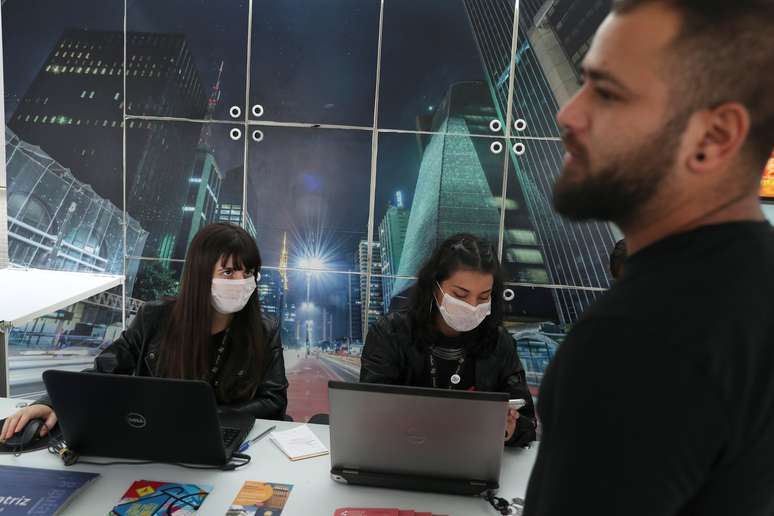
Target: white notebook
x=298 y=443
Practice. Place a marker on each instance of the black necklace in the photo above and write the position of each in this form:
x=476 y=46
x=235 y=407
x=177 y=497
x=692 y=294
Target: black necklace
x=455 y=377
x=450 y=354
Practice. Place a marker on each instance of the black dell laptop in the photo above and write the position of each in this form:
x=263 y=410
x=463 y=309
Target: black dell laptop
x=134 y=417
x=416 y=438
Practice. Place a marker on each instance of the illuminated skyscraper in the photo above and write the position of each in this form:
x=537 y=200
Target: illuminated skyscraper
x=73 y=110
x=204 y=181
x=454 y=192
x=287 y=310
x=573 y=253
x=230 y=201
x=283 y=263
x=270 y=293
x=366 y=303
x=355 y=303
x=392 y=235
x=574 y=24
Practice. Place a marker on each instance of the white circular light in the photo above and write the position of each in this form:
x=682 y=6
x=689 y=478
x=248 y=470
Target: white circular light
x=257 y=135
x=496 y=147
x=495 y=125
x=519 y=148
x=509 y=294
x=235 y=134
x=235 y=111
x=520 y=124
x=258 y=111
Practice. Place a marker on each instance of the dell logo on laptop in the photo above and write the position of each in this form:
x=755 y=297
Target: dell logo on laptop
x=136 y=420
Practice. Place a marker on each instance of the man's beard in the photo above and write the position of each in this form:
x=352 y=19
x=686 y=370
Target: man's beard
x=620 y=188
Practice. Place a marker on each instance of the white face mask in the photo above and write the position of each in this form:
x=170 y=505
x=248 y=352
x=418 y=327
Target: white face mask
x=231 y=295
x=459 y=315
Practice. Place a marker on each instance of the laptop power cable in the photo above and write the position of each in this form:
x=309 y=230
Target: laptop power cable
x=501 y=505
x=70 y=458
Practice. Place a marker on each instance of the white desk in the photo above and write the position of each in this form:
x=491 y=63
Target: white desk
x=313 y=494
x=26 y=294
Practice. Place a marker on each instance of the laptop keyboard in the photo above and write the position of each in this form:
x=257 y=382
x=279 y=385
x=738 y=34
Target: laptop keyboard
x=229 y=436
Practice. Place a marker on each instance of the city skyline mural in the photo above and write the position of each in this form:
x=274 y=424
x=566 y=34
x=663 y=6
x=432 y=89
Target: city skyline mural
x=347 y=182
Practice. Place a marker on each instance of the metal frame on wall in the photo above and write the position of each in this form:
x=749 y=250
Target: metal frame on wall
x=3 y=220
x=247 y=125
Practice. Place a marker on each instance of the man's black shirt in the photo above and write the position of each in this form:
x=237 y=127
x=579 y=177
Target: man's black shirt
x=661 y=400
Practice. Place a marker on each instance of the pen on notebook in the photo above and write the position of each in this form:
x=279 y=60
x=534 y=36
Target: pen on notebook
x=245 y=445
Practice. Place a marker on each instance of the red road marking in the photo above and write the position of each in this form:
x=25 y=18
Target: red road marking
x=308 y=390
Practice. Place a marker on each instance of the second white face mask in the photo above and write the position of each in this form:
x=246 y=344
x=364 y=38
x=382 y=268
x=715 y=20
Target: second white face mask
x=230 y=295
x=459 y=315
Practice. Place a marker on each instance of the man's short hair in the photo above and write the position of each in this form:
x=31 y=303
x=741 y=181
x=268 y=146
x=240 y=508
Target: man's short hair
x=724 y=52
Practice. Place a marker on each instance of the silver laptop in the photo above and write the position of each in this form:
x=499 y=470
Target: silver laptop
x=416 y=438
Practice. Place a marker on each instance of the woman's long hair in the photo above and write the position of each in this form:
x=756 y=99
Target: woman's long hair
x=459 y=252
x=185 y=350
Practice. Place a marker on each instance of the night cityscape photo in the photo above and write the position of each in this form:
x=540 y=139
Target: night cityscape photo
x=346 y=157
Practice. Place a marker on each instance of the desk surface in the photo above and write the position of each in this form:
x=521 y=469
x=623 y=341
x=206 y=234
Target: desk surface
x=314 y=493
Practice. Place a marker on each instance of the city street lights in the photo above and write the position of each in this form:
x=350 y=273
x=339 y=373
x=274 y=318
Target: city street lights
x=308 y=311
x=309 y=325
x=310 y=262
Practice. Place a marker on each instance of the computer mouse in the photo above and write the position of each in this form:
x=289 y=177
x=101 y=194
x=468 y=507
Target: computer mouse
x=26 y=435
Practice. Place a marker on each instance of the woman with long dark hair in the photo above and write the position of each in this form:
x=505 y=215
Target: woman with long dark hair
x=451 y=334
x=213 y=331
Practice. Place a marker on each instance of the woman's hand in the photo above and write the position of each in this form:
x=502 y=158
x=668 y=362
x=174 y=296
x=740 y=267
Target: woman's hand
x=511 y=422
x=16 y=422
